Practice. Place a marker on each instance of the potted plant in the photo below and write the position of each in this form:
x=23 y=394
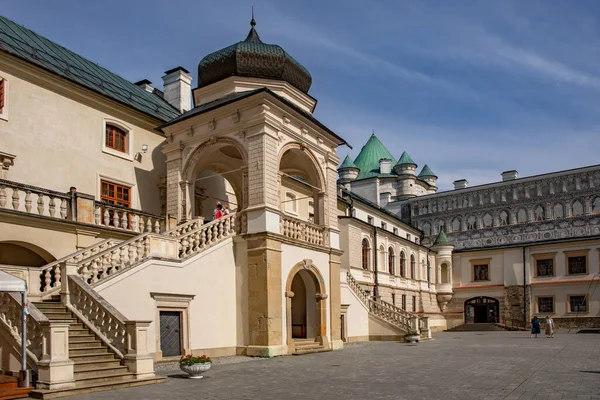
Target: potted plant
x=412 y=337
x=194 y=366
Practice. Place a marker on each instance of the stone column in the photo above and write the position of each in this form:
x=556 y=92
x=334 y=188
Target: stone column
x=265 y=293
x=187 y=193
x=55 y=369
x=138 y=359
x=174 y=196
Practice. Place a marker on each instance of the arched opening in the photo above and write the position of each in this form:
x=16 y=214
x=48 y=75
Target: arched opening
x=577 y=208
x=214 y=173
x=304 y=306
x=365 y=254
x=301 y=193
x=391 y=261
x=412 y=266
x=558 y=211
x=402 y=264
x=445 y=273
x=481 y=310
x=23 y=254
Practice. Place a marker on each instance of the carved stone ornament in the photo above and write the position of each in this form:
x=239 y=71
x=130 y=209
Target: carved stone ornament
x=235 y=117
x=285 y=120
x=307 y=263
x=289 y=294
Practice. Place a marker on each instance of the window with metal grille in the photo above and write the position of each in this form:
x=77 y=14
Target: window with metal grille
x=545 y=267
x=577 y=265
x=546 y=304
x=578 y=303
x=116 y=138
x=481 y=272
x=1 y=94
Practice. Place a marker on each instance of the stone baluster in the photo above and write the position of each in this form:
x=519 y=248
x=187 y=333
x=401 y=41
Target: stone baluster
x=116 y=218
x=148 y=224
x=52 y=207
x=15 y=199
x=40 y=204
x=97 y=215
x=124 y=219
x=2 y=196
x=139 y=250
x=63 y=208
x=47 y=280
x=106 y=217
x=156 y=226
x=28 y=201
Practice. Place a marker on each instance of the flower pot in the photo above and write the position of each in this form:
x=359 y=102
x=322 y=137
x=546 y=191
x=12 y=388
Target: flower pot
x=195 y=370
x=411 y=338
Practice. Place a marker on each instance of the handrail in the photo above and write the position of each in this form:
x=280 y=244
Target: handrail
x=25 y=187
x=305 y=231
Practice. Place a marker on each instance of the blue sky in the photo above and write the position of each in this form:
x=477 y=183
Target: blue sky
x=471 y=88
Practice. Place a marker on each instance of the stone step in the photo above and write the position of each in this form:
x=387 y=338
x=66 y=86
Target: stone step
x=88 y=350
x=81 y=338
x=81 y=388
x=93 y=365
x=313 y=345
x=101 y=377
x=61 y=316
x=88 y=343
x=84 y=357
x=302 y=351
x=79 y=332
x=48 y=304
x=101 y=372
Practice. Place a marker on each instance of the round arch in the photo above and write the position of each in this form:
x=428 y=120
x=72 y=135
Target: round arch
x=308 y=272
x=313 y=166
x=20 y=253
x=481 y=309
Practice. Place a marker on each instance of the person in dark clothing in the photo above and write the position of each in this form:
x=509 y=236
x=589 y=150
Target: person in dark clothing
x=535 y=327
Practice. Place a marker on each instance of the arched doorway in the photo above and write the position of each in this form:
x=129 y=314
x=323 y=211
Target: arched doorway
x=306 y=305
x=23 y=254
x=481 y=309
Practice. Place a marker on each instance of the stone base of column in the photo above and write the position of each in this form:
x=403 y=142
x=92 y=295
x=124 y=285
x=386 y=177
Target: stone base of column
x=267 y=351
x=337 y=344
x=55 y=375
x=141 y=366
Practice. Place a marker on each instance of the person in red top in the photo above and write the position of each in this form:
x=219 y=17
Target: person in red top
x=219 y=212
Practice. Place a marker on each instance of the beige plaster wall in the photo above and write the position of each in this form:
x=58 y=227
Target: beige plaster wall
x=210 y=277
x=58 y=141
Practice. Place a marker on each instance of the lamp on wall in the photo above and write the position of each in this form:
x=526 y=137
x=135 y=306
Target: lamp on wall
x=138 y=155
x=144 y=148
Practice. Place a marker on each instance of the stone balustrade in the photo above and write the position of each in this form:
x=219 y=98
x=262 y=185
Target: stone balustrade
x=304 y=231
x=207 y=235
x=33 y=200
x=77 y=207
x=11 y=317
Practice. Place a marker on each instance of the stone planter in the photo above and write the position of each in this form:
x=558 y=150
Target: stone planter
x=195 y=370
x=411 y=338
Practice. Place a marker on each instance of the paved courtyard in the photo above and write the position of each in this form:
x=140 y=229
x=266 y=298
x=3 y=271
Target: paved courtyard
x=456 y=365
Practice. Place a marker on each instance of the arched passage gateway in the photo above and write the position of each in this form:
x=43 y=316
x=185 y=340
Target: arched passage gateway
x=481 y=310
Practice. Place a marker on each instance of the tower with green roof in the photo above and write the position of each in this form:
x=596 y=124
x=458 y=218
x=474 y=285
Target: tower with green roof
x=405 y=165
x=428 y=176
x=347 y=172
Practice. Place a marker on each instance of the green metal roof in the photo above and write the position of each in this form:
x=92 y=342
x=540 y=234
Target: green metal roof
x=427 y=172
x=368 y=158
x=347 y=164
x=405 y=159
x=31 y=47
x=442 y=240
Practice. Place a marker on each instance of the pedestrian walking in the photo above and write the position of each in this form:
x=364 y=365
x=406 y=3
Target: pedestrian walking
x=549 y=327
x=225 y=209
x=219 y=213
x=217 y=204
x=535 y=327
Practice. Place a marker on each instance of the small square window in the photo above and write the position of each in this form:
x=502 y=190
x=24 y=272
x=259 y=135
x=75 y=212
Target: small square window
x=545 y=267
x=577 y=265
x=578 y=303
x=481 y=272
x=383 y=225
x=370 y=220
x=546 y=304
x=408 y=236
x=396 y=231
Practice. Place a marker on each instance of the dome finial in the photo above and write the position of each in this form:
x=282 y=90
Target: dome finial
x=252 y=21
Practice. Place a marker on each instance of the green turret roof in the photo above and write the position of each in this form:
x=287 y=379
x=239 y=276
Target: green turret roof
x=427 y=172
x=405 y=159
x=442 y=240
x=368 y=158
x=347 y=164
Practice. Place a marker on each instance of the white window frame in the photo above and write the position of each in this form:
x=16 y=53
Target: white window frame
x=293 y=202
x=129 y=154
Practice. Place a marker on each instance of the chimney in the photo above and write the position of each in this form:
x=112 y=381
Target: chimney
x=461 y=184
x=146 y=85
x=510 y=175
x=385 y=166
x=178 y=88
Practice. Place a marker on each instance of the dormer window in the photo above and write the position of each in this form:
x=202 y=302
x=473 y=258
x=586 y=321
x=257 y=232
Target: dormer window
x=115 y=138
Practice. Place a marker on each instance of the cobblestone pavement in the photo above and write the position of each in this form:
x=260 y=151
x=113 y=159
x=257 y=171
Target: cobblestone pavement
x=456 y=365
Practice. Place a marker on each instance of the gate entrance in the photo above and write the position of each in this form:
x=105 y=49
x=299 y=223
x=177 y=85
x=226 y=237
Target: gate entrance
x=482 y=310
x=170 y=333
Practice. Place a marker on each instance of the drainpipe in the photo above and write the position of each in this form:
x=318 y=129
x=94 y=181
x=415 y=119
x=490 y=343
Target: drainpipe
x=524 y=289
x=375 y=270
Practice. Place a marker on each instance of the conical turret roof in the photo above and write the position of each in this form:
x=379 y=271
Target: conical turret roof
x=347 y=164
x=368 y=158
x=442 y=240
x=427 y=172
x=406 y=160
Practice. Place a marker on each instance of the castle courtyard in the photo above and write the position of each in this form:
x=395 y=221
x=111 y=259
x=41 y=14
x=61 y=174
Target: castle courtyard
x=464 y=365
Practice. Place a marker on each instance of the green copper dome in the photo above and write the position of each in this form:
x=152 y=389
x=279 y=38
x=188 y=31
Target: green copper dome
x=426 y=172
x=442 y=240
x=253 y=58
x=347 y=164
x=368 y=158
x=405 y=159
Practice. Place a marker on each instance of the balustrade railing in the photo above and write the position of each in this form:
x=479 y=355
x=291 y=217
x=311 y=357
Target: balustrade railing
x=98 y=313
x=50 y=273
x=186 y=227
x=11 y=317
x=207 y=235
x=304 y=231
x=33 y=200
x=113 y=216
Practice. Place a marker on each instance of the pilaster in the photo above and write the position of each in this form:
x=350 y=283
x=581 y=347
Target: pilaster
x=335 y=302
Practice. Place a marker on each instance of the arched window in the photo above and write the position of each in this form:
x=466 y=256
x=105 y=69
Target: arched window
x=365 y=254
x=522 y=216
x=558 y=211
x=445 y=278
x=577 y=208
x=412 y=266
x=391 y=260
x=115 y=138
x=456 y=225
x=402 y=264
x=503 y=218
x=539 y=213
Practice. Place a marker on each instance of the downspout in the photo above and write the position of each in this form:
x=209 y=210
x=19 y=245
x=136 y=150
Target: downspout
x=524 y=289
x=375 y=270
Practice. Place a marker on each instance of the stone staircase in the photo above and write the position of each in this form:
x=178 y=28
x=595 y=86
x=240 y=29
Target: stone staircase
x=308 y=346
x=97 y=367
